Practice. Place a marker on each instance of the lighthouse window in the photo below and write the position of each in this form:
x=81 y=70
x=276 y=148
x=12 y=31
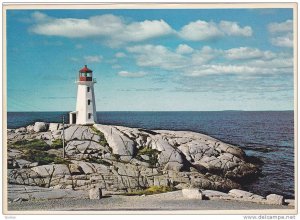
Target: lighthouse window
x=89 y=115
x=88 y=89
x=89 y=101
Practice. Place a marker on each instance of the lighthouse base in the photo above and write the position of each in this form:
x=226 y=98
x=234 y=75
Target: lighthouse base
x=73 y=117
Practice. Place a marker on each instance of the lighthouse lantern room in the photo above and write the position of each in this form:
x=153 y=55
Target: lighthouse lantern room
x=85 y=113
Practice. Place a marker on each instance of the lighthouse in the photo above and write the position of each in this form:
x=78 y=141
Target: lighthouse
x=85 y=113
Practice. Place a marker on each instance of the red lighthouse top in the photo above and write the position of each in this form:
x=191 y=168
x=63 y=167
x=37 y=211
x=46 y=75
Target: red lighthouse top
x=85 y=69
x=85 y=74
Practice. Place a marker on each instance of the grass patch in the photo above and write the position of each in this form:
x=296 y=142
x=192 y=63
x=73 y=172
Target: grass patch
x=147 y=151
x=103 y=140
x=56 y=144
x=35 y=144
x=150 y=191
x=151 y=153
x=97 y=160
x=42 y=157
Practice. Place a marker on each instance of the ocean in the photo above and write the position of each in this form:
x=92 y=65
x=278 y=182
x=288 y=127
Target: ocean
x=268 y=135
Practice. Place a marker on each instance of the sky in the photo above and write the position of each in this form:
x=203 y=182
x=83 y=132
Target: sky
x=152 y=60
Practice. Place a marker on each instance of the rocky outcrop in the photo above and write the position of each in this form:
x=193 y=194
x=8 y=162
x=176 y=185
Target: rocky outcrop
x=117 y=158
x=40 y=126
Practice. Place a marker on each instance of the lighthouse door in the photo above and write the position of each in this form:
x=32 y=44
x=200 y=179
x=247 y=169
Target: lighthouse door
x=74 y=118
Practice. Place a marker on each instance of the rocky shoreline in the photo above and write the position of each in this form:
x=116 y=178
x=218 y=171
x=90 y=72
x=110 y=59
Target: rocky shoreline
x=119 y=159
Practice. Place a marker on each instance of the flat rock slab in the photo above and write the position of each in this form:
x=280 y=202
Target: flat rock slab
x=240 y=193
x=35 y=192
x=52 y=170
x=213 y=195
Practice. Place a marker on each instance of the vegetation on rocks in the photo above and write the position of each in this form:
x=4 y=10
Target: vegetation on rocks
x=35 y=150
x=42 y=157
x=151 y=190
x=151 y=153
x=102 y=141
x=34 y=144
x=56 y=144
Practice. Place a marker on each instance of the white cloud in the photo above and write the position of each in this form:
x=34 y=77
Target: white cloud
x=203 y=30
x=120 y=55
x=139 y=31
x=210 y=61
x=242 y=53
x=286 y=26
x=282 y=33
x=113 y=28
x=38 y=16
x=93 y=59
x=233 y=29
x=200 y=30
x=184 y=49
x=283 y=40
x=221 y=69
x=132 y=74
x=277 y=62
x=205 y=55
x=157 y=56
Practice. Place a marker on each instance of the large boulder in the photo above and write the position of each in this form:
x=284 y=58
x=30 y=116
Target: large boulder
x=192 y=193
x=120 y=143
x=95 y=193
x=169 y=156
x=40 y=126
x=274 y=199
x=53 y=126
x=30 y=128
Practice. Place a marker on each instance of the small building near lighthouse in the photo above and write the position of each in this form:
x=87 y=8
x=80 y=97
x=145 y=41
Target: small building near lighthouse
x=85 y=113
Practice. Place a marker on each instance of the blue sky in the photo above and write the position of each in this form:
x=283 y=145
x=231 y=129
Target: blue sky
x=152 y=60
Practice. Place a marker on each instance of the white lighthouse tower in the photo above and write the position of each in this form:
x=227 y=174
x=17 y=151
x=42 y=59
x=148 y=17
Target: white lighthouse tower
x=85 y=113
